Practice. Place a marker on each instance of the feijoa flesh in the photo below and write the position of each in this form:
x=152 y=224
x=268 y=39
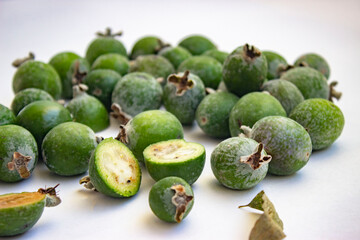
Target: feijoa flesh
x=171 y=199
x=175 y=158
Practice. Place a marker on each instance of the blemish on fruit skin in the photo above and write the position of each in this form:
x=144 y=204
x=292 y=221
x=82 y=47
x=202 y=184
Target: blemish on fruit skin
x=203 y=120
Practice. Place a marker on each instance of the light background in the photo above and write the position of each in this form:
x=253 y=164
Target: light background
x=319 y=202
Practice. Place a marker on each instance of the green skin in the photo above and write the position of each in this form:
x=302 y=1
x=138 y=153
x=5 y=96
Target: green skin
x=315 y=61
x=274 y=61
x=157 y=66
x=227 y=168
x=14 y=138
x=160 y=198
x=184 y=106
x=151 y=127
x=207 y=68
x=6 y=116
x=84 y=68
x=323 y=120
x=101 y=83
x=67 y=148
x=310 y=82
x=10 y=222
x=27 y=96
x=90 y=111
x=242 y=74
x=287 y=93
x=197 y=45
x=104 y=45
x=251 y=108
x=100 y=181
x=175 y=55
x=35 y=74
x=137 y=92
x=286 y=141
x=190 y=169
x=41 y=116
x=112 y=61
x=218 y=55
x=145 y=46
x=212 y=114
x=62 y=63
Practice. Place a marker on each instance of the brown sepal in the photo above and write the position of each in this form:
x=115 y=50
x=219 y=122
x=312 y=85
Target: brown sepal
x=333 y=93
x=118 y=114
x=17 y=63
x=78 y=77
x=251 y=52
x=108 y=33
x=122 y=137
x=180 y=200
x=182 y=83
x=255 y=160
x=20 y=163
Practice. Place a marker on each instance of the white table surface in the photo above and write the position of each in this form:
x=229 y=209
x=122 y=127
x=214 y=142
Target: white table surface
x=318 y=202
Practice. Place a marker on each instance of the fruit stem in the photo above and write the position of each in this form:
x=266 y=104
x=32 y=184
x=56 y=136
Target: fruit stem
x=19 y=163
x=108 y=33
x=118 y=114
x=251 y=52
x=333 y=92
x=180 y=200
x=17 y=63
x=246 y=131
x=182 y=83
x=255 y=160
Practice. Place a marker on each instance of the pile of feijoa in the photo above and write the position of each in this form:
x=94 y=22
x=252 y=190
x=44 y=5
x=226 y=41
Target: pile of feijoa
x=269 y=116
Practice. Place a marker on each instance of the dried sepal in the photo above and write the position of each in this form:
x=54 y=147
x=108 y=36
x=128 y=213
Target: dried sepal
x=246 y=131
x=282 y=68
x=78 y=76
x=210 y=90
x=122 y=136
x=79 y=89
x=161 y=45
x=182 y=83
x=333 y=93
x=180 y=200
x=118 y=114
x=256 y=159
x=18 y=62
x=52 y=199
x=20 y=163
x=251 y=52
x=99 y=139
x=86 y=181
x=108 y=33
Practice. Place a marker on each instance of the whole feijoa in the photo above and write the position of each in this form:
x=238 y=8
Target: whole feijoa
x=35 y=74
x=67 y=148
x=171 y=199
x=76 y=74
x=18 y=153
x=315 y=61
x=27 y=96
x=6 y=116
x=62 y=63
x=175 y=158
x=276 y=63
x=156 y=65
x=148 y=45
x=113 y=170
x=101 y=84
x=150 y=127
x=310 y=82
x=217 y=54
x=137 y=92
x=183 y=93
x=207 y=68
x=287 y=93
x=252 y=107
x=197 y=44
x=41 y=116
x=88 y=110
x=112 y=61
x=244 y=70
x=212 y=114
x=175 y=55
x=323 y=120
x=105 y=43
x=239 y=163
x=286 y=141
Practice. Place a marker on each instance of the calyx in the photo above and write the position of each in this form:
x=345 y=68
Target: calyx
x=256 y=160
x=182 y=83
x=108 y=33
x=52 y=199
x=251 y=52
x=333 y=93
x=17 y=63
x=20 y=163
x=118 y=114
x=180 y=200
x=122 y=137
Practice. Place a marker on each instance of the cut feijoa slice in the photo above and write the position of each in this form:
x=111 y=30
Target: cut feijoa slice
x=175 y=158
x=113 y=170
x=20 y=211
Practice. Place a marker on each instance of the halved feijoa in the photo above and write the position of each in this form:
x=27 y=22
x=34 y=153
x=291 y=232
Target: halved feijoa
x=175 y=158
x=20 y=211
x=114 y=170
